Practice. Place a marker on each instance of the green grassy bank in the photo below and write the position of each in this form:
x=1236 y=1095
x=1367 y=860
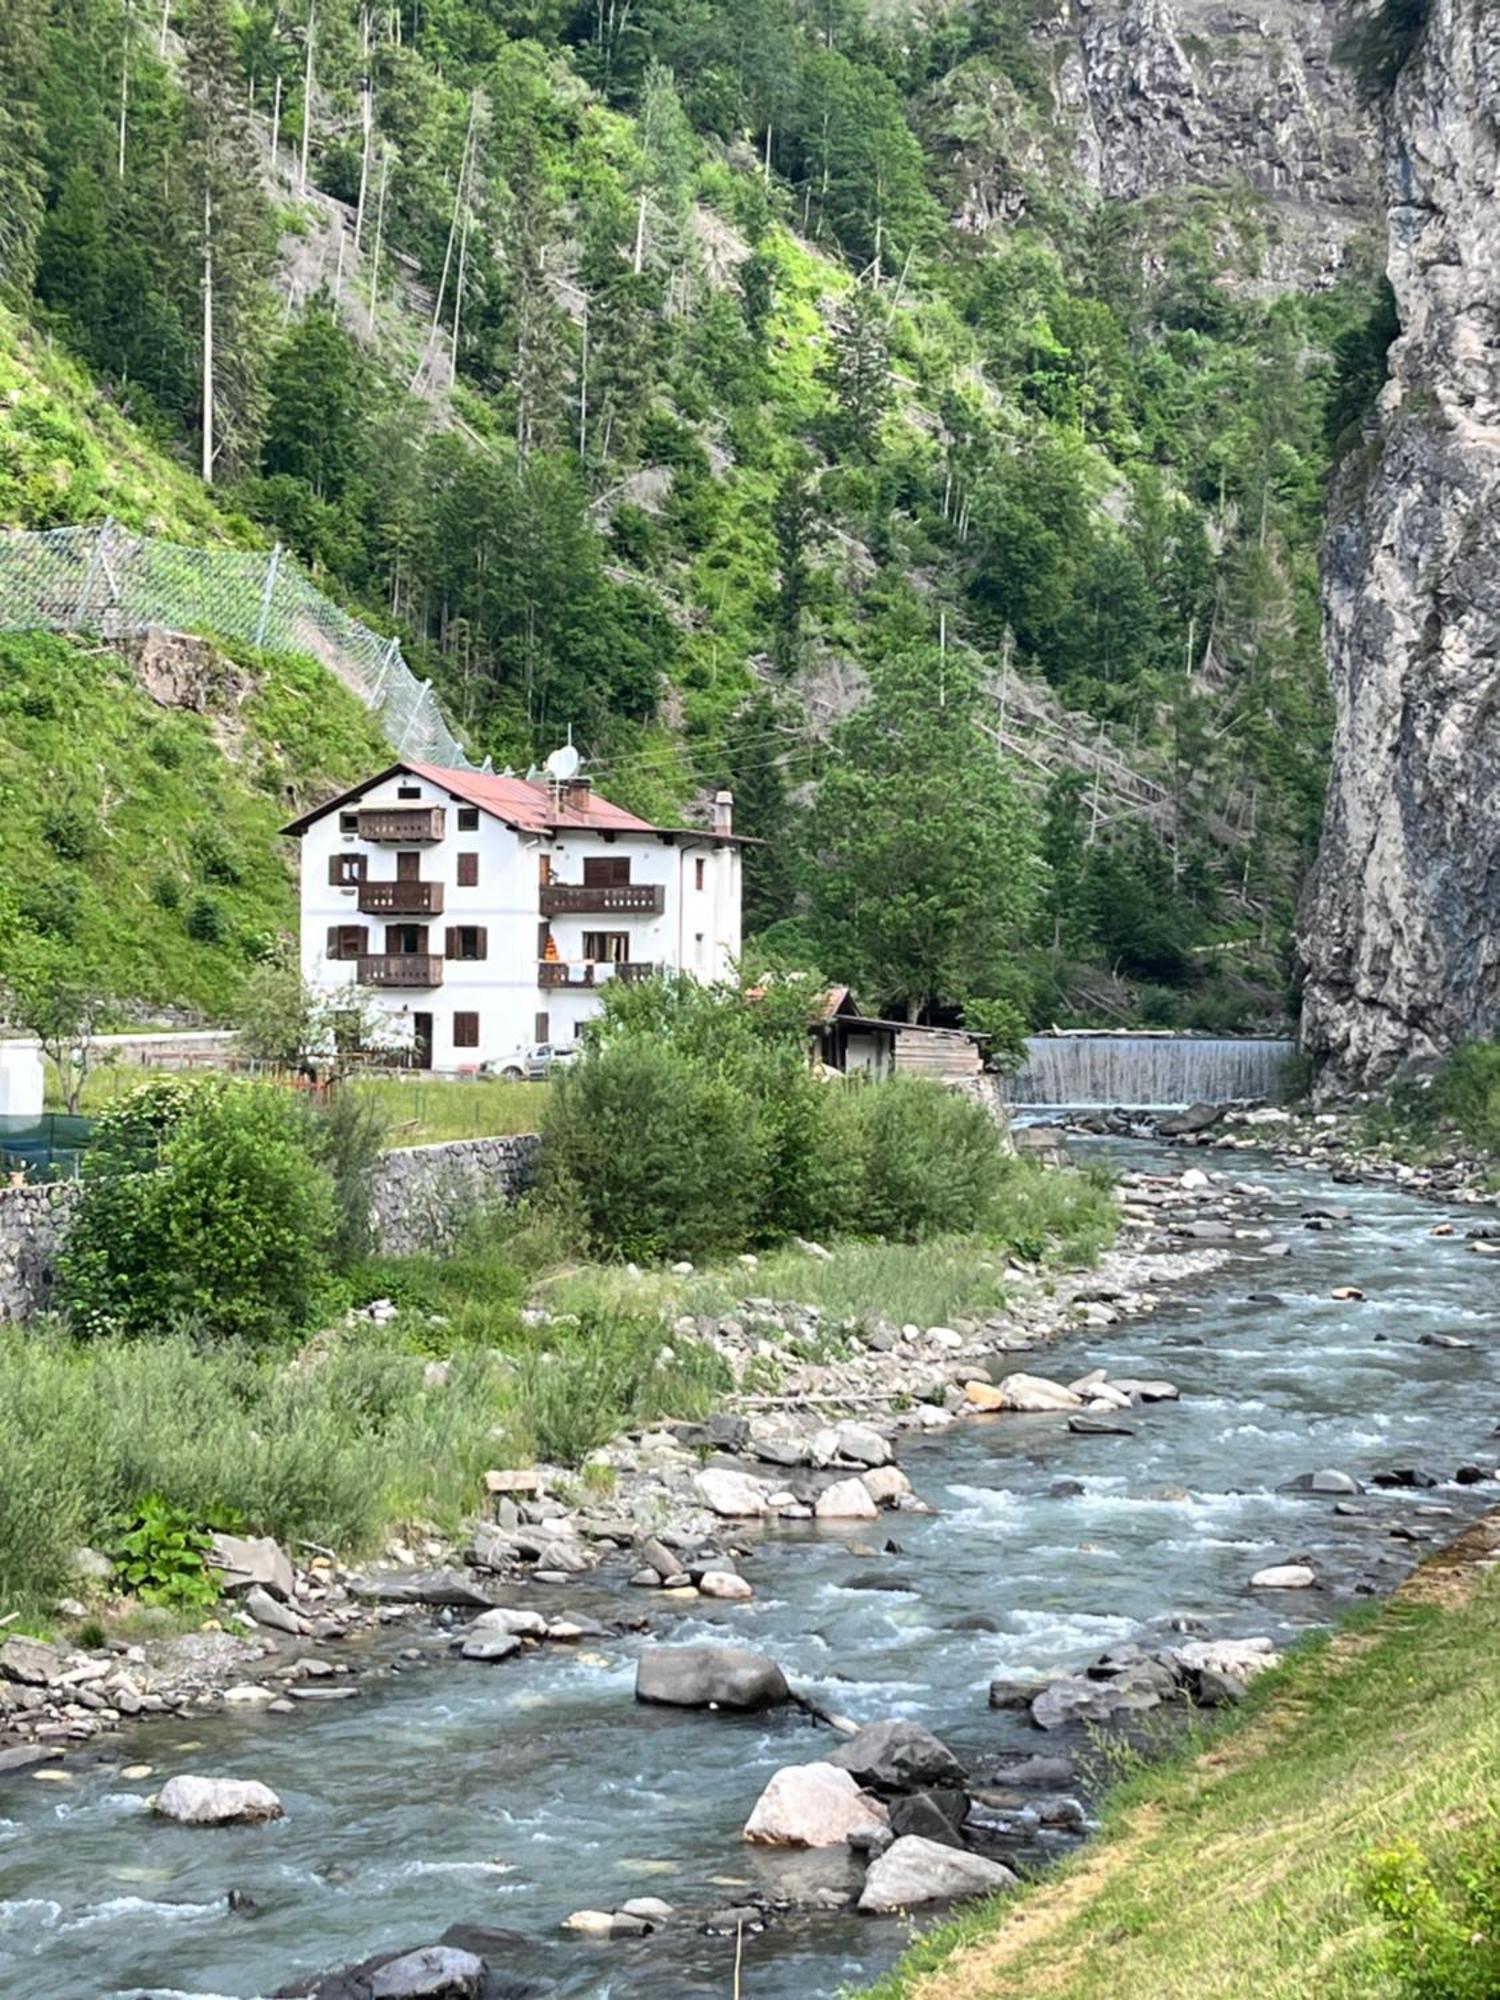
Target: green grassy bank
x=1335 y=1840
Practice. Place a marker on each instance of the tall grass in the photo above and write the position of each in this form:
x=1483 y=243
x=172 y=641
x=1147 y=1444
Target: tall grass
x=336 y=1447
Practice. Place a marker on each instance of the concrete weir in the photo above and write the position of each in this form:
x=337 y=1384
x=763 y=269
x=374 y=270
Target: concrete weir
x=1148 y=1072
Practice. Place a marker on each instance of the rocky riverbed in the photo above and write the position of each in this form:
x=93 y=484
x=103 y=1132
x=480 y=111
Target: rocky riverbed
x=1079 y=1566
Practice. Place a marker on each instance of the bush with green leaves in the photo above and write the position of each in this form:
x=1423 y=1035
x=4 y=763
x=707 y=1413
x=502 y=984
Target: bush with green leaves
x=160 y=1555
x=1440 y=1917
x=694 y=1125
x=209 y=1204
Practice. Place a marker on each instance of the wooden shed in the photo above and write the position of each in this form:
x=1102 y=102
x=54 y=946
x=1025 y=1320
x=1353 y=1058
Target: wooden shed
x=864 y=1044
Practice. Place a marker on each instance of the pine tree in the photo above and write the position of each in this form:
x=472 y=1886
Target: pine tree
x=857 y=369
x=539 y=366
x=23 y=53
x=231 y=230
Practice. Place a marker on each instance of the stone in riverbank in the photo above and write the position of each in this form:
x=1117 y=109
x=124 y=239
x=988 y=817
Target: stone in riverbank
x=846 y=1500
x=734 y=1496
x=1284 y=1576
x=427 y=1586
x=709 y=1677
x=897 y=1756
x=812 y=1805
x=194 y=1801
x=914 y=1871
x=1030 y=1395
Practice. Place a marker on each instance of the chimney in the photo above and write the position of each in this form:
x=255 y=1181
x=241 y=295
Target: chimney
x=723 y=812
x=576 y=794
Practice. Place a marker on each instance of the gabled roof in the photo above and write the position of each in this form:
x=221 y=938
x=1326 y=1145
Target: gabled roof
x=529 y=808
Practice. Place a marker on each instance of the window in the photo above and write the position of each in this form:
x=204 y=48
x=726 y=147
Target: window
x=698 y=867
x=348 y=822
x=466 y=1031
x=408 y=865
x=468 y=819
x=607 y=947
x=543 y=1026
x=408 y=791
x=405 y=940
x=468 y=871
x=467 y=941
x=346 y=941
x=606 y=871
x=346 y=871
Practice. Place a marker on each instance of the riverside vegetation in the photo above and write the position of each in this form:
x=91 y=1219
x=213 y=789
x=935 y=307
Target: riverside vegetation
x=204 y=1363
x=680 y=376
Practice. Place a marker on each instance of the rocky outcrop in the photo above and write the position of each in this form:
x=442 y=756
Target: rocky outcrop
x=1401 y=925
x=1162 y=101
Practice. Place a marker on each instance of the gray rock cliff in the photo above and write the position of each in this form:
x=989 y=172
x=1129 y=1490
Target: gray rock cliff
x=1400 y=928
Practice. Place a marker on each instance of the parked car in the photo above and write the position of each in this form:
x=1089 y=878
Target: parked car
x=531 y=1064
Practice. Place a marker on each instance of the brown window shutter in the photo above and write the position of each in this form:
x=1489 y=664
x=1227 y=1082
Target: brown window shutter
x=466 y=1031
x=335 y=871
x=468 y=871
x=335 y=941
x=481 y=943
x=450 y=941
x=361 y=940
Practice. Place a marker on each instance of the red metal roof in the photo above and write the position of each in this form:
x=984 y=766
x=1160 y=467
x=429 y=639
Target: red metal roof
x=530 y=808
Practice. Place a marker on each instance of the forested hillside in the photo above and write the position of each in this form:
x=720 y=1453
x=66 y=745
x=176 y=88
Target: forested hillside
x=682 y=373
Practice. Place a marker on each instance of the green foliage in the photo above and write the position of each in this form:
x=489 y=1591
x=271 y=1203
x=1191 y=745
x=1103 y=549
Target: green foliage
x=607 y=1374
x=1440 y=1911
x=922 y=872
x=929 y=1160
x=209 y=1204
x=160 y=1555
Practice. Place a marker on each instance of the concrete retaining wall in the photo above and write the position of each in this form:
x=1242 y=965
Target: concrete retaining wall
x=421 y=1199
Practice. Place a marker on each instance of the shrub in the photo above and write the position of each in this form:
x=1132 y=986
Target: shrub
x=71 y=830
x=930 y=1160
x=206 y=922
x=653 y=1150
x=607 y=1375
x=205 y=1203
x=161 y=1556
x=1441 y=1918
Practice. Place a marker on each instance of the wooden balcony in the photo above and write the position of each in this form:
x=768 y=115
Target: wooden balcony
x=400 y=969
x=407 y=826
x=553 y=973
x=625 y=899
x=401 y=899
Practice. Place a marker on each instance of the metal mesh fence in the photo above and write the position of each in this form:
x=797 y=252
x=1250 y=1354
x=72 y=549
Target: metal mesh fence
x=109 y=583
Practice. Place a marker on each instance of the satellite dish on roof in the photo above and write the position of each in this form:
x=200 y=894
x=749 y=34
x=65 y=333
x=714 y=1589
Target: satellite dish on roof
x=564 y=763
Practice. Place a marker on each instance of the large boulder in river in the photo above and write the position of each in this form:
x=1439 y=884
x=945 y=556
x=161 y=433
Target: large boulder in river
x=1074 y=1698
x=913 y=1871
x=846 y=1500
x=1033 y=1395
x=246 y=1560
x=813 y=1805
x=1327 y=1481
x=897 y=1756
x=421 y=1586
x=193 y=1801
x=709 y=1677
x=447 y=1970
x=734 y=1496
x=1284 y=1576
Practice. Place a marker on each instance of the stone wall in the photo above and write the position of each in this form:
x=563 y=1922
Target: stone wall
x=424 y=1194
x=33 y=1222
x=421 y=1198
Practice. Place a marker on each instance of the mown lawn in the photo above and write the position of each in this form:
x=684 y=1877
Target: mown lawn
x=413 y=1111
x=1243 y=1868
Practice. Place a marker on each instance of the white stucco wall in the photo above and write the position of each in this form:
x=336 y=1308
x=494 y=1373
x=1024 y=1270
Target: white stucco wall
x=697 y=930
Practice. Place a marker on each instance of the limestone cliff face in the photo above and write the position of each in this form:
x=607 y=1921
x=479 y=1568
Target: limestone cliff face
x=1401 y=925
x=1166 y=96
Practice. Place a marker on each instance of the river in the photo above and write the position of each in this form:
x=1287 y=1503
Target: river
x=508 y=1796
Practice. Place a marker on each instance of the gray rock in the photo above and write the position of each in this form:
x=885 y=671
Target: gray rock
x=197 y=1801
x=272 y=1613
x=913 y=1872
x=897 y=1756
x=437 y=1972
x=1040 y=1771
x=1016 y=1690
x=932 y=1815
x=1074 y=1699
x=30 y=1661
x=512 y=1620
x=1326 y=1481
x=1086 y=1426
x=245 y=1560
x=421 y=1586
x=709 y=1677
x=490 y=1647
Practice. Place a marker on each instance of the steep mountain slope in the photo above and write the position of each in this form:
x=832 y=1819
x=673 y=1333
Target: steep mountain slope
x=1402 y=926
x=665 y=373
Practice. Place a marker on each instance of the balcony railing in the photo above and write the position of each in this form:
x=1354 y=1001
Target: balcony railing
x=407 y=825
x=402 y=899
x=621 y=899
x=552 y=973
x=401 y=969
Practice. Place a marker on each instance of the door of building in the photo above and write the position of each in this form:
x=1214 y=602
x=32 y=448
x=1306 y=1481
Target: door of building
x=422 y=1040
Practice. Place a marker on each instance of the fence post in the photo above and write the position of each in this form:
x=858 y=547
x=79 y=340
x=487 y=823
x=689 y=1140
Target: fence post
x=272 y=570
x=91 y=576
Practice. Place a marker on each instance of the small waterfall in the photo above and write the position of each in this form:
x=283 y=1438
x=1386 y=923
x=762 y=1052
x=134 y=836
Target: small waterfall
x=1148 y=1072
